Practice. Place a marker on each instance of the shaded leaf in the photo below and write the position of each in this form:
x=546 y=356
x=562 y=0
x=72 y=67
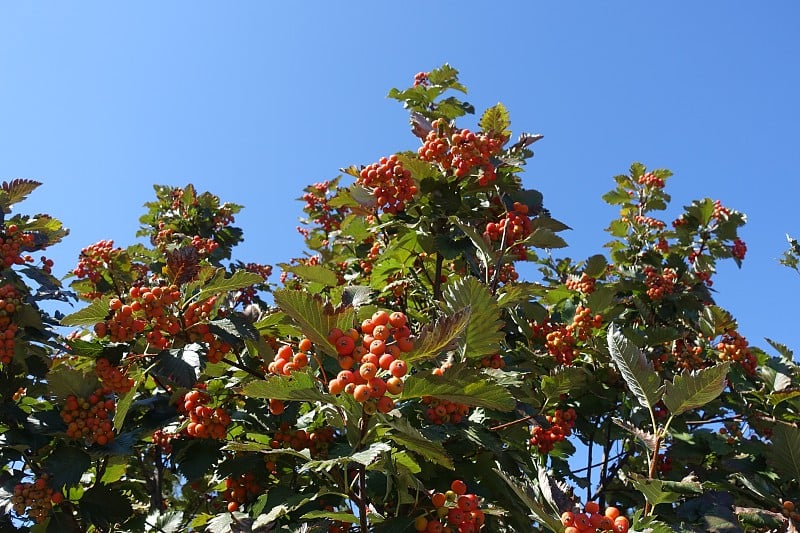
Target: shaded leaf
x=66 y=465
x=784 y=454
x=537 y=510
x=484 y=329
x=406 y=435
x=595 y=266
x=315 y=318
x=180 y=366
x=64 y=381
x=105 y=507
x=563 y=380
x=653 y=490
x=637 y=371
x=692 y=390
x=439 y=336
x=544 y=238
x=645 y=437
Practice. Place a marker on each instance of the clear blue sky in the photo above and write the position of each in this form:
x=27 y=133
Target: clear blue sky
x=254 y=100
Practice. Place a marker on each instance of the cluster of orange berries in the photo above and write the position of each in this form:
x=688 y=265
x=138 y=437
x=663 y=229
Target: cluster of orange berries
x=367 y=262
x=391 y=184
x=732 y=432
x=687 y=356
x=461 y=150
x=248 y=294
x=650 y=222
x=163 y=439
x=454 y=511
x=738 y=249
x=492 y=361
x=204 y=421
x=240 y=489
x=89 y=419
x=659 y=285
x=94 y=259
x=561 y=340
x=376 y=350
x=319 y=208
x=591 y=519
x=734 y=347
x=287 y=361
x=584 y=284
x=35 y=500
x=651 y=180
x=112 y=377
x=421 y=79
x=9 y=302
x=441 y=411
x=789 y=510
x=12 y=244
x=316 y=441
x=508 y=273
x=720 y=211
x=514 y=227
x=561 y=424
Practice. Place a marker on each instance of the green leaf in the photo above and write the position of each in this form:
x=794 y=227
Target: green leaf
x=313 y=273
x=14 y=191
x=496 y=120
x=196 y=457
x=105 y=507
x=180 y=366
x=166 y=521
x=96 y=312
x=784 y=454
x=123 y=405
x=538 y=511
x=64 y=381
x=364 y=457
x=484 y=329
x=692 y=390
x=637 y=371
x=563 y=380
x=341 y=516
x=653 y=490
x=298 y=386
x=544 y=238
x=646 y=438
x=595 y=265
x=66 y=465
x=439 y=336
x=484 y=252
x=315 y=318
x=406 y=435
x=459 y=384
x=219 y=284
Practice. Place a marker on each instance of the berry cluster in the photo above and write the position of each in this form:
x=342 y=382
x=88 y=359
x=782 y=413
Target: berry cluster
x=122 y=326
x=720 y=211
x=492 y=361
x=248 y=294
x=287 y=361
x=561 y=340
x=584 y=284
x=89 y=419
x=453 y=511
x=738 y=249
x=734 y=347
x=440 y=411
x=240 y=490
x=789 y=510
x=163 y=439
x=318 y=208
x=659 y=285
x=651 y=180
x=508 y=273
x=204 y=422
x=12 y=244
x=316 y=441
x=112 y=377
x=9 y=303
x=591 y=519
x=376 y=351
x=561 y=424
x=421 y=79
x=461 y=150
x=650 y=222
x=34 y=500
x=732 y=432
x=687 y=355
x=391 y=184
x=94 y=259
x=513 y=228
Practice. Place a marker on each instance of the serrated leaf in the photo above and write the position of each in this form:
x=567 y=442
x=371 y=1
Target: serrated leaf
x=105 y=507
x=483 y=332
x=595 y=265
x=315 y=318
x=298 y=386
x=313 y=273
x=484 y=252
x=66 y=465
x=537 y=510
x=784 y=351
x=64 y=381
x=460 y=385
x=219 y=284
x=341 y=516
x=96 y=312
x=692 y=390
x=646 y=438
x=784 y=454
x=181 y=366
x=166 y=521
x=15 y=191
x=356 y=296
x=637 y=371
x=653 y=490
x=563 y=380
x=439 y=336
x=196 y=457
x=123 y=405
x=496 y=120
x=406 y=435
x=544 y=238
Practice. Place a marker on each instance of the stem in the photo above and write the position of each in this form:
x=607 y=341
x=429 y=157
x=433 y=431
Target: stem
x=589 y=470
x=362 y=490
x=437 y=280
x=512 y=423
x=245 y=368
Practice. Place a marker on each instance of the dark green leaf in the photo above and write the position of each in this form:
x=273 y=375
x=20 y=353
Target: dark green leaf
x=784 y=454
x=404 y=434
x=181 y=366
x=563 y=380
x=545 y=238
x=105 y=507
x=64 y=381
x=66 y=465
x=646 y=438
x=595 y=266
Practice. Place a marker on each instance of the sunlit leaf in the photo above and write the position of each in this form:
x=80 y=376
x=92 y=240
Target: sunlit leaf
x=496 y=120
x=439 y=336
x=637 y=371
x=96 y=312
x=484 y=329
x=315 y=318
x=457 y=385
x=695 y=389
x=297 y=386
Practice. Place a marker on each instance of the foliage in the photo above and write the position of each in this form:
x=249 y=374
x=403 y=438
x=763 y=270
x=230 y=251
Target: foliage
x=401 y=375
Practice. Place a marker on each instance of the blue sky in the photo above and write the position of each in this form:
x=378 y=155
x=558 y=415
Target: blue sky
x=254 y=100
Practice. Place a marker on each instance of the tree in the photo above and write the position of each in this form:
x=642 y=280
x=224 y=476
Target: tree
x=401 y=375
